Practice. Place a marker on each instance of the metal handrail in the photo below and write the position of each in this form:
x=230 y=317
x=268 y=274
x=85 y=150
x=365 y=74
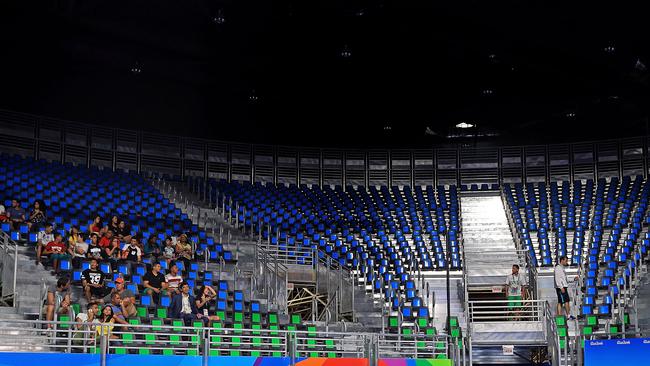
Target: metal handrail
x=8 y=247
x=60 y=336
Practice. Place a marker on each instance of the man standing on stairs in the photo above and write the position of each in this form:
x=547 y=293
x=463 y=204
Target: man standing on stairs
x=561 y=288
x=514 y=286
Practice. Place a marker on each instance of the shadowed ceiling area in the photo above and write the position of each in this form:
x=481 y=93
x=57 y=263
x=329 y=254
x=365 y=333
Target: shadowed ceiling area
x=333 y=73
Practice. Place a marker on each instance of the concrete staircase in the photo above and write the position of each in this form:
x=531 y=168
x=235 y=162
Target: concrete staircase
x=29 y=282
x=643 y=303
x=17 y=336
x=488 y=243
x=437 y=283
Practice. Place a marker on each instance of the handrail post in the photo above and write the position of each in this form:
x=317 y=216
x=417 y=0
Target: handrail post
x=206 y=346
x=15 y=302
x=103 y=344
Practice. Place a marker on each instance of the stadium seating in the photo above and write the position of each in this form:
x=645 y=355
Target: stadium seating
x=600 y=227
x=385 y=233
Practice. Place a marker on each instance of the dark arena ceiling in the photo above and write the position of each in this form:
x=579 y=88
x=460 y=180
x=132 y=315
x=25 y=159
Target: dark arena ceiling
x=333 y=73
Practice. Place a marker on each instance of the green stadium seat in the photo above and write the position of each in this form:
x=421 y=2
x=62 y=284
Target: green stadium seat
x=560 y=320
x=142 y=311
x=393 y=322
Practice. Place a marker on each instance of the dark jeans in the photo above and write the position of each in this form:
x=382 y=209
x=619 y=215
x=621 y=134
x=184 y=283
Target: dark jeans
x=190 y=318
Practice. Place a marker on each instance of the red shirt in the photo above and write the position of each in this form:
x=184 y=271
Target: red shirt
x=55 y=247
x=104 y=242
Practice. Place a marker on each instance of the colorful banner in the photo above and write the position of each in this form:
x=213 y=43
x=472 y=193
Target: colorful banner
x=22 y=359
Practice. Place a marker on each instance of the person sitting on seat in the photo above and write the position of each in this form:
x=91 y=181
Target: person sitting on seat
x=16 y=214
x=3 y=214
x=112 y=252
x=44 y=237
x=57 y=251
x=127 y=296
x=169 y=251
x=58 y=300
x=77 y=247
x=123 y=232
x=97 y=226
x=113 y=225
x=151 y=247
x=183 y=306
x=108 y=318
x=173 y=279
x=206 y=296
x=85 y=331
x=154 y=283
x=132 y=251
x=92 y=280
x=94 y=250
x=184 y=250
x=37 y=216
x=119 y=309
x=106 y=239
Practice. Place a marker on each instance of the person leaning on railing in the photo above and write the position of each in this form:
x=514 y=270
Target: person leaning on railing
x=58 y=300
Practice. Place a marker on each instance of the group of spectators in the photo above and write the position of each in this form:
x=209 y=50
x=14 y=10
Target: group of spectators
x=114 y=243
x=16 y=215
x=109 y=243
x=122 y=301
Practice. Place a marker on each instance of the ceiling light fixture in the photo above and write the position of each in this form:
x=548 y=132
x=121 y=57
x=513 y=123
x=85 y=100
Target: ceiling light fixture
x=464 y=125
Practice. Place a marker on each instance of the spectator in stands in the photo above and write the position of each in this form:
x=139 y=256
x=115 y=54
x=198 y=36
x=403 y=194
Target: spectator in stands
x=77 y=247
x=119 y=311
x=151 y=247
x=106 y=239
x=37 y=216
x=3 y=214
x=92 y=280
x=107 y=317
x=173 y=279
x=97 y=226
x=88 y=319
x=113 y=251
x=154 y=283
x=206 y=299
x=16 y=214
x=132 y=251
x=127 y=296
x=58 y=300
x=184 y=250
x=57 y=251
x=561 y=288
x=183 y=306
x=123 y=232
x=169 y=251
x=114 y=224
x=94 y=250
x=515 y=283
x=44 y=237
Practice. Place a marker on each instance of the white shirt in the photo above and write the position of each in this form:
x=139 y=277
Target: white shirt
x=186 y=309
x=44 y=237
x=514 y=283
x=561 y=280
